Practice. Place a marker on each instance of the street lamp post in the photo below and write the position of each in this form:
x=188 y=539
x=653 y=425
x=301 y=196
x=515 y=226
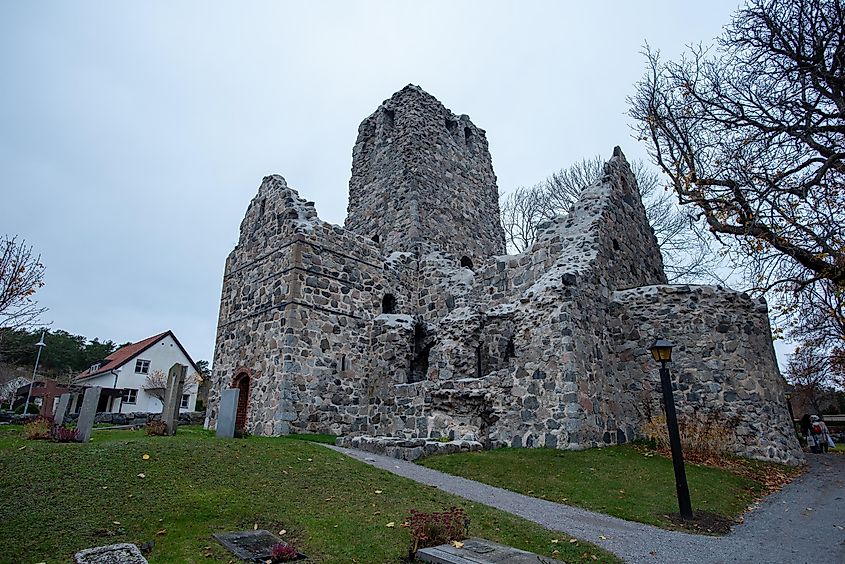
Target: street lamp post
x=40 y=344
x=661 y=350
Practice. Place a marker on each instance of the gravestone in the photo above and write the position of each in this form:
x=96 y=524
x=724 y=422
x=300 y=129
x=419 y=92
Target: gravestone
x=173 y=397
x=87 y=413
x=123 y=553
x=61 y=409
x=252 y=546
x=228 y=413
x=480 y=551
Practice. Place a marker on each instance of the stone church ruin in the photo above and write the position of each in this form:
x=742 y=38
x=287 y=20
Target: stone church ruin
x=412 y=322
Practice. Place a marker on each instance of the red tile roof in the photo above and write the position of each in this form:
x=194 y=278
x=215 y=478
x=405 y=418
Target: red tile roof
x=125 y=354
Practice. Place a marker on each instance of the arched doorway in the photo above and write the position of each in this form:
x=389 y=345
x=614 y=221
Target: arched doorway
x=241 y=382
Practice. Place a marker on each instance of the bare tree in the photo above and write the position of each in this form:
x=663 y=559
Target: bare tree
x=752 y=134
x=687 y=255
x=21 y=275
x=155 y=384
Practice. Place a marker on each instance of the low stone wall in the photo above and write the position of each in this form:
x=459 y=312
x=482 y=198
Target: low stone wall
x=140 y=418
x=406 y=449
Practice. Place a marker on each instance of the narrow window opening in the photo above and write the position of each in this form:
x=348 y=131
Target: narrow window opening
x=479 y=368
x=466 y=262
x=451 y=126
x=423 y=343
x=510 y=349
x=263 y=206
x=343 y=363
x=615 y=245
x=388 y=304
x=376 y=239
x=389 y=117
x=468 y=136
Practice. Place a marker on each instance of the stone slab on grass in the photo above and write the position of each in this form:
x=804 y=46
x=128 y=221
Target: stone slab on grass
x=480 y=551
x=123 y=553
x=252 y=546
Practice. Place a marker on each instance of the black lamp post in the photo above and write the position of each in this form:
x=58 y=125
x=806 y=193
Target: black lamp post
x=661 y=350
x=788 y=395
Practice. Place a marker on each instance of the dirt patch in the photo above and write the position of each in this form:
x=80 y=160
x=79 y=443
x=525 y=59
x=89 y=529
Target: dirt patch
x=702 y=522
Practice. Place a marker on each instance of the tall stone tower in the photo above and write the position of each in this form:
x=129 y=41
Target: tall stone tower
x=422 y=179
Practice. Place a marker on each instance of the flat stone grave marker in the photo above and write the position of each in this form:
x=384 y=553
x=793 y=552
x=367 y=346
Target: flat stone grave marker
x=123 y=553
x=480 y=551
x=252 y=546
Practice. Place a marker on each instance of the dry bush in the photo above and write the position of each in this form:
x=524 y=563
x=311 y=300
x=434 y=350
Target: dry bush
x=704 y=432
x=38 y=429
x=156 y=427
x=439 y=527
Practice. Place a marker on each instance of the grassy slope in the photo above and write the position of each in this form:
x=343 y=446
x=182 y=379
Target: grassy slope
x=60 y=498
x=620 y=481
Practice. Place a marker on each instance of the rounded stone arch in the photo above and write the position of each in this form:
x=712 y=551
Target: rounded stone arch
x=242 y=381
x=466 y=262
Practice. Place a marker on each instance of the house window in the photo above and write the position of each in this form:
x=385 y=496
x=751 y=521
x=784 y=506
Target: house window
x=130 y=396
x=94 y=368
x=142 y=366
x=186 y=398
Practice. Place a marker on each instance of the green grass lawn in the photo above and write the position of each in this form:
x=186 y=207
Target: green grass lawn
x=624 y=481
x=60 y=498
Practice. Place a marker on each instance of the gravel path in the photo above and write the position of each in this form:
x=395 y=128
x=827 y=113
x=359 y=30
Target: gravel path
x=802 y=523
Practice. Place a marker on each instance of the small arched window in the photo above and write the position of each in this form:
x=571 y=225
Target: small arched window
x=466 y=262
x=388 y=304
x=376 y=239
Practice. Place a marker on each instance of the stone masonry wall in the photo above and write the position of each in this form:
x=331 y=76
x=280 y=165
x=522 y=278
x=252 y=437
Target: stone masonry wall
x=422 y=177
x=723 y=364
x=410 y=322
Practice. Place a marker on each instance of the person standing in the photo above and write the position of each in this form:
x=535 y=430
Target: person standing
x=823 y=438
x=809 y=433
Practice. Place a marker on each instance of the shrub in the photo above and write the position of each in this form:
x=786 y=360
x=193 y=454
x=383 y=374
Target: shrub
x=432 y=529
x=704 y=431
x=62 y=434
x=32 y=409
x=283 y=553
x=156 y=427
x=38 y=429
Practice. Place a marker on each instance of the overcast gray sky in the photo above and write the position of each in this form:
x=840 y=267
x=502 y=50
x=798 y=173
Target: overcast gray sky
x=133 y=135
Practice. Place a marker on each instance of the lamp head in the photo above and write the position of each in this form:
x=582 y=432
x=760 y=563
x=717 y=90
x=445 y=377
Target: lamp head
x=661 y=350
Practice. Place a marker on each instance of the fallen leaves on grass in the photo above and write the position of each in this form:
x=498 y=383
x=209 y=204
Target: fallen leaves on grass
x=391 y=525
x=142 y=475
x=146 y=457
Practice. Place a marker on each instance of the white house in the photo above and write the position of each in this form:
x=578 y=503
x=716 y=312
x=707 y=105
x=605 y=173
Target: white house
x=130 y=375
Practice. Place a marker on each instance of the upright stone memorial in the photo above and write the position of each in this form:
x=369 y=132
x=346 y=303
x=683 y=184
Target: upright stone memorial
x=228 y=413
x=173 y=396
x=61 y=409
x=87 y=413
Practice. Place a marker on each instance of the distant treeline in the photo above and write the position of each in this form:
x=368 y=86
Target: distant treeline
x=64 y=353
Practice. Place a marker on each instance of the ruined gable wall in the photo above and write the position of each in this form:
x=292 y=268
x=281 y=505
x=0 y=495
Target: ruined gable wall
x=723 y=364
x=297 y=295
x=558 y=389
x=422 y=180
x=255 y=296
